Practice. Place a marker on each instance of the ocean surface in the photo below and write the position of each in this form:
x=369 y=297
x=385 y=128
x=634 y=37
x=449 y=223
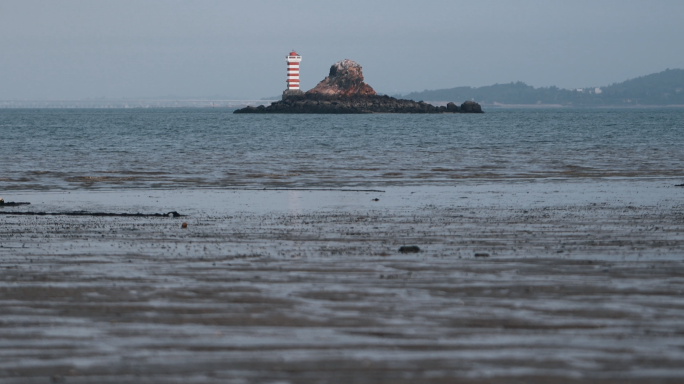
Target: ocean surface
x=66 y=149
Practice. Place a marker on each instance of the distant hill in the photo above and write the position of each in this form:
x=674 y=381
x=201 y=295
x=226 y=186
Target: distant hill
x=663 y=88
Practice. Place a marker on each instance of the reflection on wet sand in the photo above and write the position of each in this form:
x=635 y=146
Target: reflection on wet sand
x=583 y=283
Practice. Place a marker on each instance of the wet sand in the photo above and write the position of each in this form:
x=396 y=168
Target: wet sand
x=516 y=282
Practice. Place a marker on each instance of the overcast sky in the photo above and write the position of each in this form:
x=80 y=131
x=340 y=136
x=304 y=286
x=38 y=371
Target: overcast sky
x=74 y=49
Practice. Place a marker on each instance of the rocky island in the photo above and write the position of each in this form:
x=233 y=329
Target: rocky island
x=344 y=91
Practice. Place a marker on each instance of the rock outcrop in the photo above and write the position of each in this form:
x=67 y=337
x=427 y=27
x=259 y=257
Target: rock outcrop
x=314 y=103
x=343 y=91
x=345 y=79
x=470 y=107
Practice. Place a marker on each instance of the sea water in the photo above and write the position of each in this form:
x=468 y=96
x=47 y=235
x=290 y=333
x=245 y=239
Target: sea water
x=56 y=149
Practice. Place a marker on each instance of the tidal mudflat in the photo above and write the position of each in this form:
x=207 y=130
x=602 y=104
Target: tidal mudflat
x=558 y=281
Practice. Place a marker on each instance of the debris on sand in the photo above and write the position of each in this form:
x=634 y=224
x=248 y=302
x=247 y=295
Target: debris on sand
x=184 y=225
x=11 y=203
x=94 y=214
x=679 y=185
x=409 y=249
x=482 y=255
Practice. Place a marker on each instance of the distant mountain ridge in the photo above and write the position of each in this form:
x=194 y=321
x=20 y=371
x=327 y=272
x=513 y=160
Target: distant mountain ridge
x=662 y=88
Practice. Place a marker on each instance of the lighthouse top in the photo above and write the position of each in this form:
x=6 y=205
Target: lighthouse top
x=293 y=57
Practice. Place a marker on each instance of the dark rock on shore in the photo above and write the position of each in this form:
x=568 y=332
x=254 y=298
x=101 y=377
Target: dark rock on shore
x=470 y=107
x=343 y=91
x=409 y=249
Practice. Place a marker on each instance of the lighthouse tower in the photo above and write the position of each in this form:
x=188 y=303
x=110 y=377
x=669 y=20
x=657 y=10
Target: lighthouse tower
x=293 y=60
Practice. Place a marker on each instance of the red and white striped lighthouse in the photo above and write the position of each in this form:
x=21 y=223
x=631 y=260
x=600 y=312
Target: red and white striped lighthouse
x=293 y=60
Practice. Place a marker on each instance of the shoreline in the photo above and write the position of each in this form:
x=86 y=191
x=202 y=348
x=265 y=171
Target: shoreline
x=350 y=186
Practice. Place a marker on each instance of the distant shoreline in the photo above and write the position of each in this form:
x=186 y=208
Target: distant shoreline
x=664 y=88
x=552 y=106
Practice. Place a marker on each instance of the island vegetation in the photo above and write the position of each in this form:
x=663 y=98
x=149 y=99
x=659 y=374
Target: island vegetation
x=658 y=89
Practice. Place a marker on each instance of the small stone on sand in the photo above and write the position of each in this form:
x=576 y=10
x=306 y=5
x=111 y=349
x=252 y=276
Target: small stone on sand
x=409 y=249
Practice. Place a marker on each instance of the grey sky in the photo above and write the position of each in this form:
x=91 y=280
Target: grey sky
x=81 y=48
